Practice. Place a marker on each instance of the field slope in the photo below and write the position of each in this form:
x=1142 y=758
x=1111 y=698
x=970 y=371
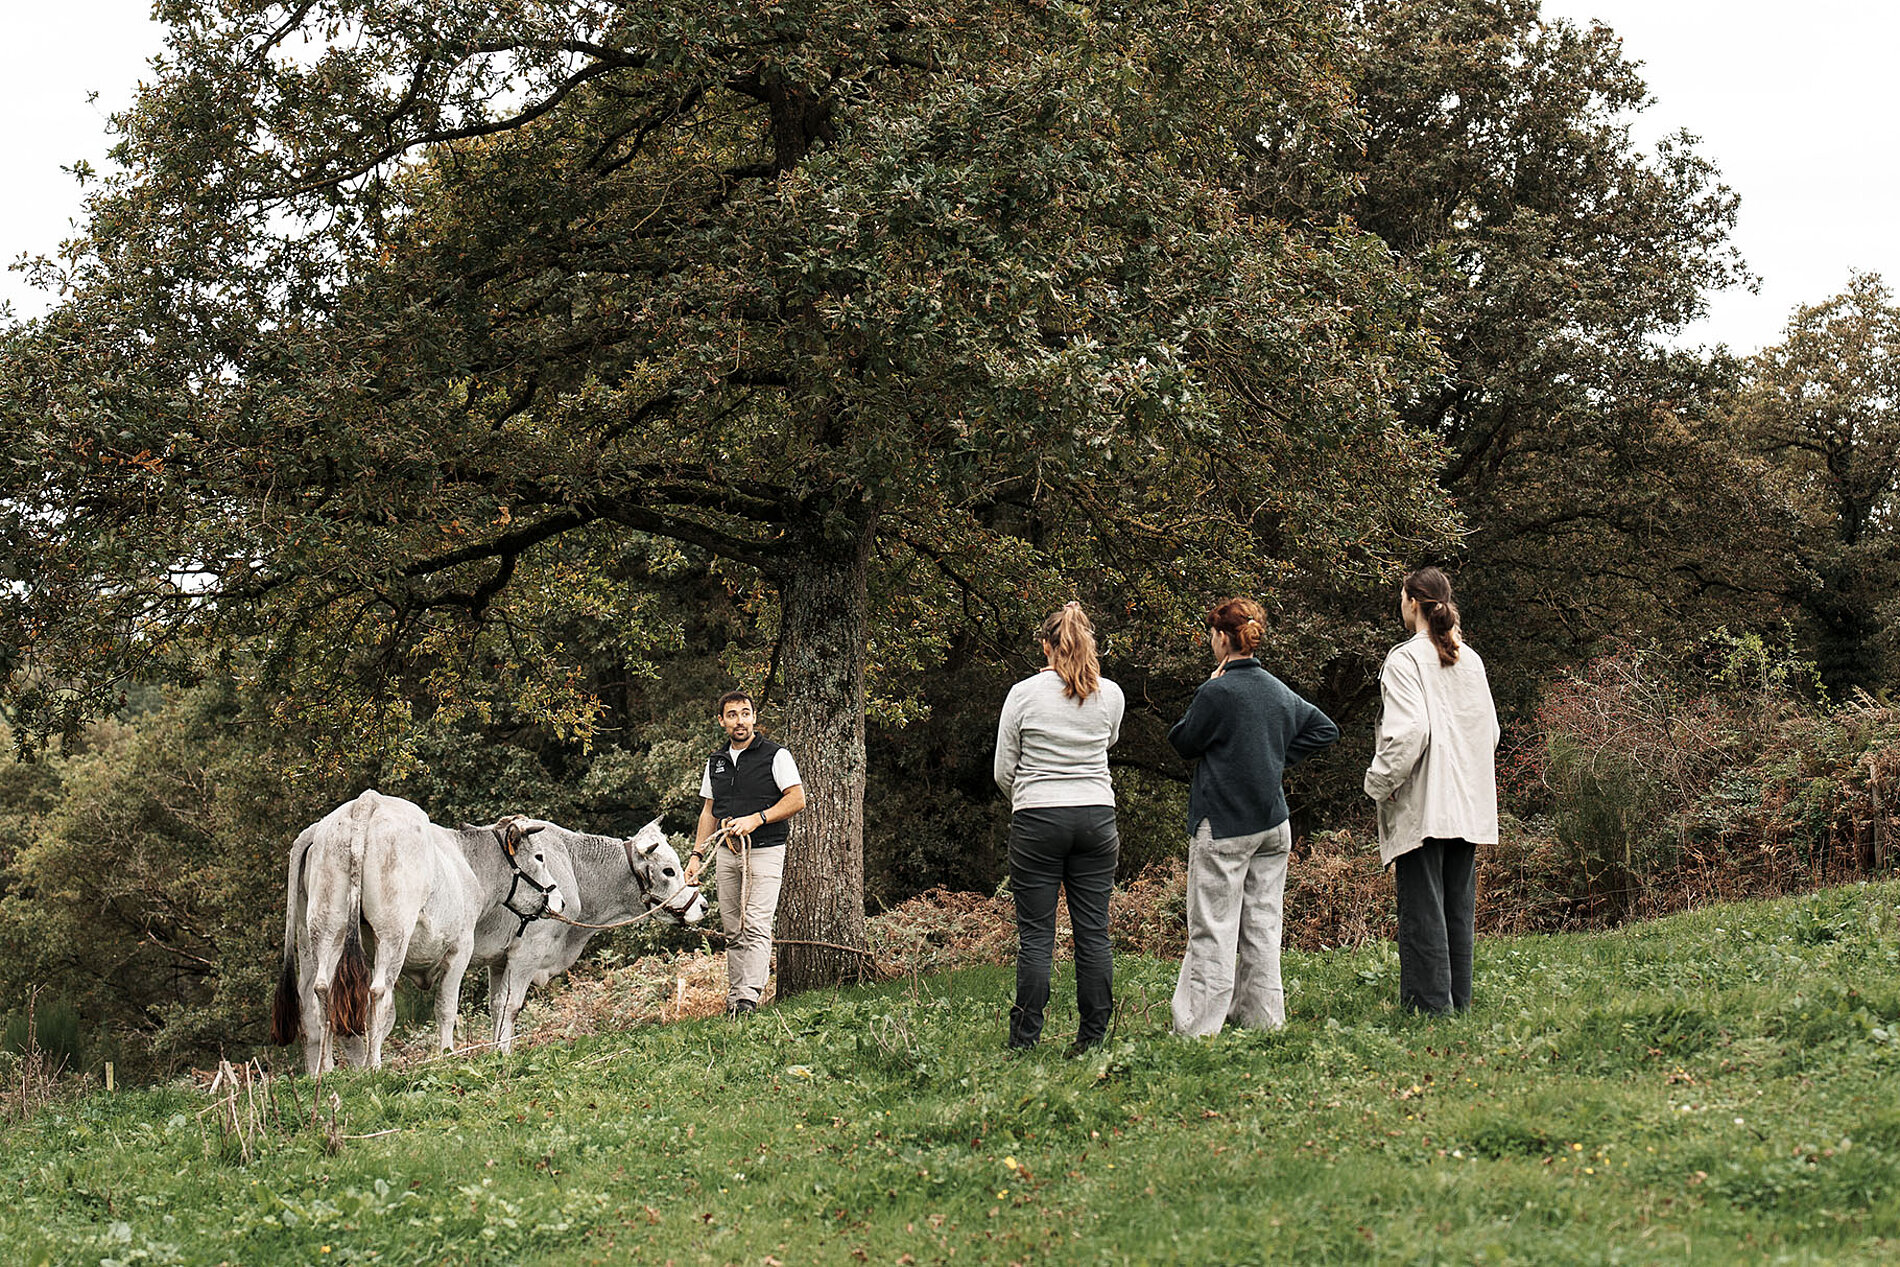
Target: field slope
x=1717 y=1087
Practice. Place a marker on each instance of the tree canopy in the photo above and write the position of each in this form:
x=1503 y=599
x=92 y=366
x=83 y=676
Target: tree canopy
x=1822 y=410
x=1497 y=161
x=410 y=330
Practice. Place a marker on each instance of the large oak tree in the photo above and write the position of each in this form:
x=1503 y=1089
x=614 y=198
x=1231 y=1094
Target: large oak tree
x=1822 y=408
x=406 y=323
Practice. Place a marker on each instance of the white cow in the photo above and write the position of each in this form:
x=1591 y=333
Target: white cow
x=422 y=889
x=608 y=880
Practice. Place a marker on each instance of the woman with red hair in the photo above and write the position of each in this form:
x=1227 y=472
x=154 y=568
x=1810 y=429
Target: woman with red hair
x=1246 y=727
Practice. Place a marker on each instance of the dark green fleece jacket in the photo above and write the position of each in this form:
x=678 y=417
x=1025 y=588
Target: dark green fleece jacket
x=1247 y=727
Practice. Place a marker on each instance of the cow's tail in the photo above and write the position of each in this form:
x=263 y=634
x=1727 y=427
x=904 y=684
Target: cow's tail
x=349 y=988
x=286 y=1013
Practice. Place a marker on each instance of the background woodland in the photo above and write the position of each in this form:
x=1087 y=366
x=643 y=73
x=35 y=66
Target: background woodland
x=454 y=399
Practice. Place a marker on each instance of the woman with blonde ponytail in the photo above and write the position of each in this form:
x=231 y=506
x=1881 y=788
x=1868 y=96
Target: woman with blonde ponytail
x=1052 y=745
x=1245 y=727
x=1434 y=779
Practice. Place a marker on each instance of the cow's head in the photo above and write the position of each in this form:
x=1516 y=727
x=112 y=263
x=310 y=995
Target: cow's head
x=530 y=864
x=656 y=869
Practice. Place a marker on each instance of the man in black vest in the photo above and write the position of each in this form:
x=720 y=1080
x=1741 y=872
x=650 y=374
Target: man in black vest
x=751 y=786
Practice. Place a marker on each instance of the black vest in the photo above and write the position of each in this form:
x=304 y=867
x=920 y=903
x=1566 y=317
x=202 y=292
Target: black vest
x=746 y=786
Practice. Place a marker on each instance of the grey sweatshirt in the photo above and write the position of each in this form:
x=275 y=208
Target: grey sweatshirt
x=1053 y=750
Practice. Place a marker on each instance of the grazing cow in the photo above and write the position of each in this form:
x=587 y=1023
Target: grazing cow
x=422 y=890
x=608 y=881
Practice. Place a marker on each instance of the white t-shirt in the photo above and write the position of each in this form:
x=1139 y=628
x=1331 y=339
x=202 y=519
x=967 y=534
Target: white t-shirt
x=784 y=771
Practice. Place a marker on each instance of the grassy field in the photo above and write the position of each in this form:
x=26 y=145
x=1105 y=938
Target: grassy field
x=1718 y=1087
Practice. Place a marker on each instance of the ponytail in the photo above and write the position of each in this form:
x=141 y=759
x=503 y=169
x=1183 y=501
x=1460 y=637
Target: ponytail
x=1242 y=620
x=1070 y=637
x=1431 y=590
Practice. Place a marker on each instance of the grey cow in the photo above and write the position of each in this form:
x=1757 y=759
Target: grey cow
x=422 y=890
x=607 y=880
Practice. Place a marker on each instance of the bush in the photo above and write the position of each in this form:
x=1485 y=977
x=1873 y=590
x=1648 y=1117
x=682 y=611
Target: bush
x=49 y=1027
x=1625 y=751
x=1722 y=774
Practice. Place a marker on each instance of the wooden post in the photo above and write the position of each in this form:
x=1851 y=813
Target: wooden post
x=1880 y=821
x=108 y=1075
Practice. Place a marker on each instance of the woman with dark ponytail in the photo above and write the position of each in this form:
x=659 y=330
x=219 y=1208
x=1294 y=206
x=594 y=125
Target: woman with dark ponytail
x=1434 y=778
x=1052 y=745
x=1246 y=727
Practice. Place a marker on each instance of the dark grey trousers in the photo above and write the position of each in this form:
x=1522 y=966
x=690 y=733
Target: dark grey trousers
x=1073 y=848
x=1437 y=885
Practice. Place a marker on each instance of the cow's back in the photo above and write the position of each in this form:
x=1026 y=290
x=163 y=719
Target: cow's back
x=399 y=864
x=334 y=861
x=415 y=880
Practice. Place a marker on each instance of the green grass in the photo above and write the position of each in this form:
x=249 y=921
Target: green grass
x=1716 y=1087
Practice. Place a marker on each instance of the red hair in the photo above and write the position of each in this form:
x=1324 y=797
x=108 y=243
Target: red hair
x=1242 y=620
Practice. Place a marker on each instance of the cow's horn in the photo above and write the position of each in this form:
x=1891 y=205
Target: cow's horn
x=660 y=838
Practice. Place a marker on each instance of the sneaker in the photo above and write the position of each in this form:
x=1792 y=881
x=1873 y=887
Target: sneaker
x=1080 y=1048
x=741 y=1007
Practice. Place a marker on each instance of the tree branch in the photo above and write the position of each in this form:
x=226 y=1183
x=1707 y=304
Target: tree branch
x=396 y=148
x=764 y=556
x=508 y=545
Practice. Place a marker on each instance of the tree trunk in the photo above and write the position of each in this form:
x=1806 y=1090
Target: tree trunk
x=823 y=607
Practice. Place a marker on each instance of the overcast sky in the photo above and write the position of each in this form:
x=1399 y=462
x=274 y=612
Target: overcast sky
x=1795 y=103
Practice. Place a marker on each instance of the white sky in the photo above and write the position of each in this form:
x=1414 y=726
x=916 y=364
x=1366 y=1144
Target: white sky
x=1795 y=103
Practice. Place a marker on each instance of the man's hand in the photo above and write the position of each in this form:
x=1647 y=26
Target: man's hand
x=694 y=862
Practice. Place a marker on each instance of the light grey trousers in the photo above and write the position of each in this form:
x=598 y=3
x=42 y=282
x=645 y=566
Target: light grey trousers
x=1231 y=971
x=748 y=904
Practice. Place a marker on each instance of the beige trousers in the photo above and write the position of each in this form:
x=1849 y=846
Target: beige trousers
x=748 y=903
x=1231 y=971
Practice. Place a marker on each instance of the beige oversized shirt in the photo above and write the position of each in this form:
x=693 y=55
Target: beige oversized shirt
x=1434 y=767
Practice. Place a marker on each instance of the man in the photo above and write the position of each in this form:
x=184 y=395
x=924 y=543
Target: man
x=751 y=786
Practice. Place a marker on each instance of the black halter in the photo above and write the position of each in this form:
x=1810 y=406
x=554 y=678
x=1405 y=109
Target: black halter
x=521 y=878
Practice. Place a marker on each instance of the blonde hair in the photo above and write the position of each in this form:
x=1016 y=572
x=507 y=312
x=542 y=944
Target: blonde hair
x=1070 y=637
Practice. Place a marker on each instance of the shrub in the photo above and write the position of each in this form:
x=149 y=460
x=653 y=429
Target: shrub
x=1625 y=750
x=48 y=1026
x=1723 y=774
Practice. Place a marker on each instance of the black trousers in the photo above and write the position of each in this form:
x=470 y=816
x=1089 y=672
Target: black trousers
x=1073 y=848
x=1437 y=885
